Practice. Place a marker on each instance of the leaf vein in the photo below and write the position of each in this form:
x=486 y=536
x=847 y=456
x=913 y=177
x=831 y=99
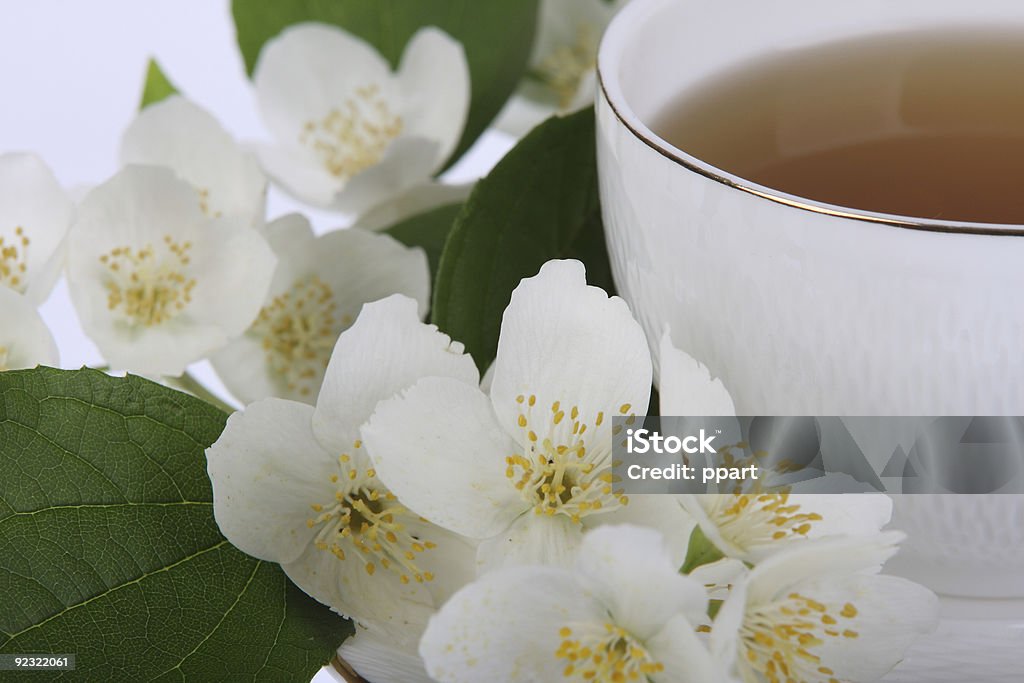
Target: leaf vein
x=113 y=590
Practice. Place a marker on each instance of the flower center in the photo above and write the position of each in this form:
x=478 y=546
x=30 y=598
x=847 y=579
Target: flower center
x=147 y=289
x=564 y=67
x=353 y=137
x=13 y=260
x=4 y=353
x=749 y=519
x=557 y=473
x=778 y=639
x=298 y=331
x=365 y=523
x=596 y=652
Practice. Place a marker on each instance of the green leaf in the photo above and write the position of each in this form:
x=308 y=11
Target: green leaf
x=539 y=203
x=496 y=34
x=654 y=407
x=428 y=230
x=699 y=552
x=157 y=87
x=109 y=549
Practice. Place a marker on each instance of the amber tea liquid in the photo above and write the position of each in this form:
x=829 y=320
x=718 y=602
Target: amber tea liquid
x=927 y=125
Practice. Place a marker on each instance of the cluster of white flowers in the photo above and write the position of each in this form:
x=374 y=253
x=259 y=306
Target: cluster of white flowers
x=477 y=533
x=172 y=260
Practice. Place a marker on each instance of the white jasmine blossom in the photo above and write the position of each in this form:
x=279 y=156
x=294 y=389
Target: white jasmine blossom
x=819 y=612
x=528 y=467
x=182 y=136
x=292 y=482
x=35 y=214
x=25 y=340
x=563 y=74
x=622 y=613
x=158 y=284
x=318 y=288
x=565 y=52
x=350 y=132
x=753 y=526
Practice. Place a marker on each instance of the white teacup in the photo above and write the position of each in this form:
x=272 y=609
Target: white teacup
x=804 y=308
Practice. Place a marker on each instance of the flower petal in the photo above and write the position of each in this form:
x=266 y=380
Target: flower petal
x=452 y=561
x=697 y=506
x=362 y=267
x=819 y=560
x=848 y=514
x=420 y=199
x=386 y=350
x=725 y=631
x=438 y=448
x=299 y=173
x=521 y=113
x=379 y=600
x=230 y=257
x=307 y=70
x=239 y=365
x=376 y=658
x=658 y=511
x=31 y=199
x=630 y=570
x=185 y=138
x=25 y=340
x=685 y=657
x=267 y=470
x=686 y=387
x=532 y=539
x=585 y=92
x=891 y=613
x=505 y=627
x=434 y=78
x=564 y=341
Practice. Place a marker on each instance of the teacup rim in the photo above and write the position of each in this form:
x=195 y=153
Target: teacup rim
x=612 y=43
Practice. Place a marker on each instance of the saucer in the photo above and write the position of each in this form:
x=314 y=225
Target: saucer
x=977 y=641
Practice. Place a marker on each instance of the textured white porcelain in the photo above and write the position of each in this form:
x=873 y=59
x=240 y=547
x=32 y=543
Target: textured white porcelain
x=965 y=651
x=962 y=545
x=802 y=308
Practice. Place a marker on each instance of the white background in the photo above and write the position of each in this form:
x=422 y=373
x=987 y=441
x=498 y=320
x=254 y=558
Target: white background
x=71 y=75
